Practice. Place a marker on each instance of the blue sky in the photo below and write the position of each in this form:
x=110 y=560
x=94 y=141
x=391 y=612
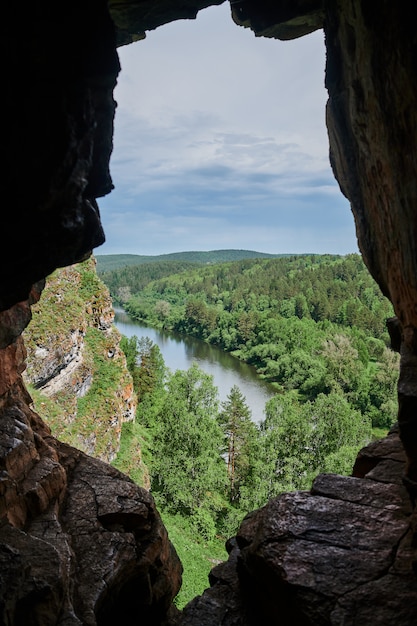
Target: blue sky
x=220 y=142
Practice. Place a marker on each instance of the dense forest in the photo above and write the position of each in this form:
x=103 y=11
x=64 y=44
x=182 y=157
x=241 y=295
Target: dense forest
x=110 y=262
x=314 y=326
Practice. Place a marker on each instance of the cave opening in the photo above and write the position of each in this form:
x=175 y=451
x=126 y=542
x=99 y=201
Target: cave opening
x=216 y=130
x=57 y=554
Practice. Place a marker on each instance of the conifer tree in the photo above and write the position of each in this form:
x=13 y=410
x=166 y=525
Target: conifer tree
x=239 y=430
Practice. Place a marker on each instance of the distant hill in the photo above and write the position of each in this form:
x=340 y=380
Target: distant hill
x=109 y=262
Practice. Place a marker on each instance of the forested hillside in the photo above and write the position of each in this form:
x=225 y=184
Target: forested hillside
x=311 y=324
x=315 y=326
x=131 y=279
x=110 y=262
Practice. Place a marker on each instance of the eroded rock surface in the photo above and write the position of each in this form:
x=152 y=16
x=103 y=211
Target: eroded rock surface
x=73 y=351
x=80 y=543
x=340 y=554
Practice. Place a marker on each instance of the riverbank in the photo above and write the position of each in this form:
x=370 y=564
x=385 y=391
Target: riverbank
x=180 y=351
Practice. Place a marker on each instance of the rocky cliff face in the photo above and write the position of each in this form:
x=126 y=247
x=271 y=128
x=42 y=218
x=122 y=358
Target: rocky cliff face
x=79 y=542
x=74 y=358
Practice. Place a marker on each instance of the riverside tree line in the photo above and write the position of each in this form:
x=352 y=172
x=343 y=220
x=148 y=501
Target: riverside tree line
x=314 y=326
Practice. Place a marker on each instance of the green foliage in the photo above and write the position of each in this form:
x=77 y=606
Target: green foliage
x=297 y=441
x=72 y=305
x=312 y=323
x=95 y=410
x=133 y=456
x=240 y=432
x=110 y=262
x=188 y=471
x=131 y=279
x=129 y=345
x=55 y=412
x=145 y=363
x=198 y=556
x=209 y=467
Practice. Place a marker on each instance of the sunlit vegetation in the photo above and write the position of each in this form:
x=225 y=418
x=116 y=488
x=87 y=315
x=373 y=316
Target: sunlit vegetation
x=210 y=464
x=311 y=324
x=198 y=556
x=72 y=302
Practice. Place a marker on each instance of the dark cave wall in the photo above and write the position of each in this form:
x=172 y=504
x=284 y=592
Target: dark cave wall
x=372 y=124
x=59 y=67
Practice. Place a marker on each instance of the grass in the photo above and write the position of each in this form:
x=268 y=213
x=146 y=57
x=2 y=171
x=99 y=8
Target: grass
x=379 y=433
x=197 y=557
x=130 y=457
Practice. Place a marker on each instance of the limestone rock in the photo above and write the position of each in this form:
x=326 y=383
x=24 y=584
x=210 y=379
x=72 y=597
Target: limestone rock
x=63 y=366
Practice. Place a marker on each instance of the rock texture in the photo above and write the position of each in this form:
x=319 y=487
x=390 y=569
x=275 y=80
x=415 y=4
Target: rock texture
x=59 y=70
x=340 y=554
x=283 y=20
x=64 y=364
x=79 y=543
x=133 y=19
x=372 y=124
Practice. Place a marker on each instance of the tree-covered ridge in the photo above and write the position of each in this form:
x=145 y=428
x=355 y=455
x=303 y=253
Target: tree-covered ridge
x=335 y=379
x=318 y=287
x=130 y=279
x=110 y=262
x=313 y=324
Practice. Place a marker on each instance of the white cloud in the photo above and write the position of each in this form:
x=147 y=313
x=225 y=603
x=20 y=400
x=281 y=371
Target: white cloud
x=220 y=142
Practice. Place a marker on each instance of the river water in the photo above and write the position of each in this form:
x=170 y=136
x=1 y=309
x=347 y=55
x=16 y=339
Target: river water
x=179 y=352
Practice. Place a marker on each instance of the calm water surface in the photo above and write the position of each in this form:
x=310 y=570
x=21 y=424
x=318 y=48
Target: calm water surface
x=179 y=352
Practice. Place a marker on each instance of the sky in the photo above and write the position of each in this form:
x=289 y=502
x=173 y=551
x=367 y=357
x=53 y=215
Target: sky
x=220 y=142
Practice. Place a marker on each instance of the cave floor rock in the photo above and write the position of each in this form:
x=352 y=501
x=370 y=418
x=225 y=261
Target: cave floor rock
x=80 y=543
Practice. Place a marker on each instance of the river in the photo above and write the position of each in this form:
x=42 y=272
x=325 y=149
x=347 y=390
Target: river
x=179 y=352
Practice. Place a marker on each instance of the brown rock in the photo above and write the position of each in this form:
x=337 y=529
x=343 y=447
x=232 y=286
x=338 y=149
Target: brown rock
x=339 y=554
x=80 y=543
